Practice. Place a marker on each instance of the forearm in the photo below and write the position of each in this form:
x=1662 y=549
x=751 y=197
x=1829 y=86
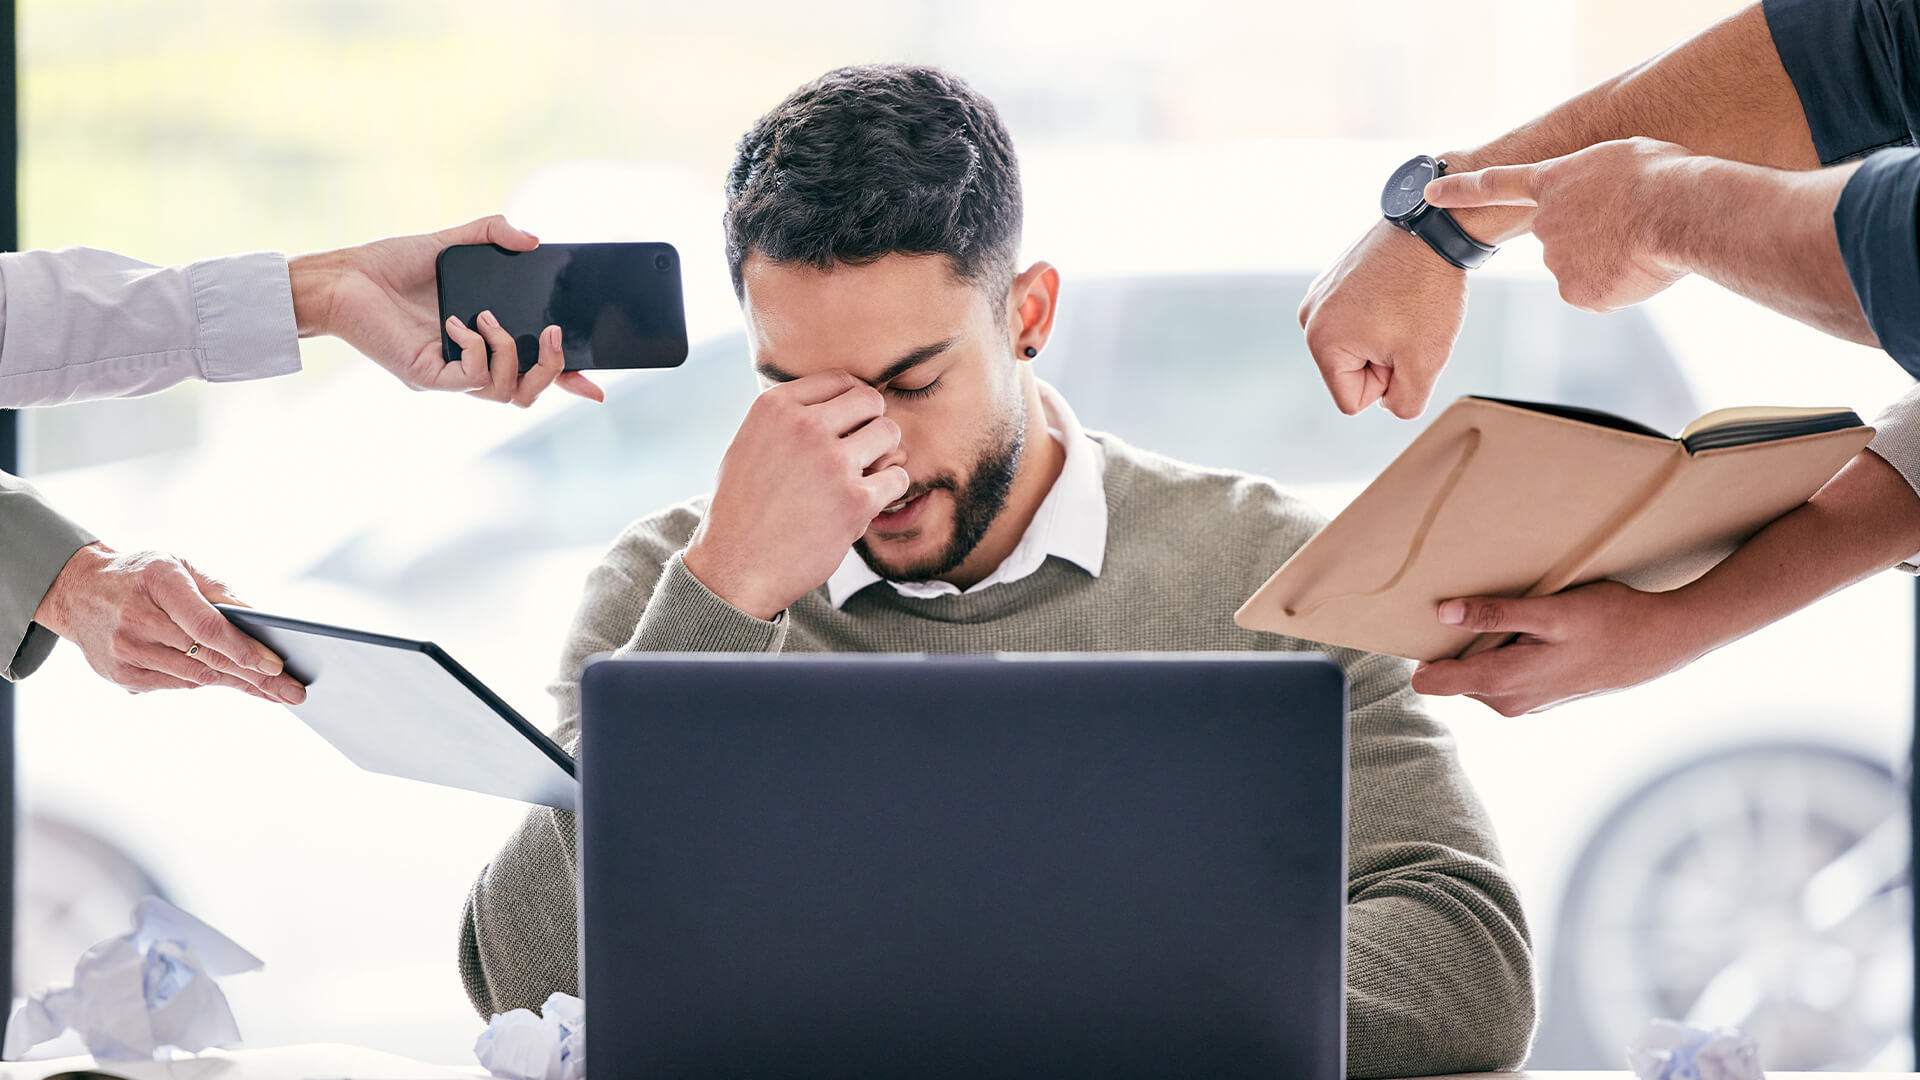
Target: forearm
x=1865 y=520
x=1721 y=93
x=683 y=615
x=311 y=279
x=1439 y=963
x=317 y=279
x=519 y=927
x=1767 y=234
x=1439 y=980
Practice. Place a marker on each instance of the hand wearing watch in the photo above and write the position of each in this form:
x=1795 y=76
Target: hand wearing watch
x=1404 y=203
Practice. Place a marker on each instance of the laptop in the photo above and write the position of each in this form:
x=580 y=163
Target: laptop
x=1017 y=865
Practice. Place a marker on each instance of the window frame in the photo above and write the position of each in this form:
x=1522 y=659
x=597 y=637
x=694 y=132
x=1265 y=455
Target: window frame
x=9 y=458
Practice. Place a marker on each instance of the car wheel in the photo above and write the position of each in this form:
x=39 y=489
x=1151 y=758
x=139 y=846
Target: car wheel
x=1765 y=889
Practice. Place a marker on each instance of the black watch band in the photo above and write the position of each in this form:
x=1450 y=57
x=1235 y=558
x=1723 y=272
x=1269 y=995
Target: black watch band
x=1403 y=206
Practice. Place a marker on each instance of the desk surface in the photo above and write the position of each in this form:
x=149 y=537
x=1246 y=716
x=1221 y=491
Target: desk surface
x=338 y=1062
x=311 y=1062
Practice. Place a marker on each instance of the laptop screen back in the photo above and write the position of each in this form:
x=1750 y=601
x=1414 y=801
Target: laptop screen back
x=864 y=866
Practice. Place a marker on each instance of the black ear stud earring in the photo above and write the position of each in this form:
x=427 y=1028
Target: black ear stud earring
x=1032 y=352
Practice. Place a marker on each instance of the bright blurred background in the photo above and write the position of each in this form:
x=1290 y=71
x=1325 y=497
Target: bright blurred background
x=1727 y=846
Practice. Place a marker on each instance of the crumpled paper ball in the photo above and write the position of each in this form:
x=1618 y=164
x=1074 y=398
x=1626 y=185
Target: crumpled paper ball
x=1669 y=1050
x=138 y=994
x=518 y=1045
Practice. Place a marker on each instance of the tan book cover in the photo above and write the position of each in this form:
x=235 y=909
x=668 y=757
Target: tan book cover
x=1499 y=498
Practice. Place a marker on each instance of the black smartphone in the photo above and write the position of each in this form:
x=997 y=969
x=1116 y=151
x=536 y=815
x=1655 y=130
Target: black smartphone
x=617 y=305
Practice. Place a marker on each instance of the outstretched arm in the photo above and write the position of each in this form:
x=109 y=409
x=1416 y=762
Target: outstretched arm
x=381 y=298
x=1381 y=322
x=1620 y=221
x=1606 y=636
x=82 y=324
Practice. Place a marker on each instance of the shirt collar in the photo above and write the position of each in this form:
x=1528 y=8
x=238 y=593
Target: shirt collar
x=1071 y=522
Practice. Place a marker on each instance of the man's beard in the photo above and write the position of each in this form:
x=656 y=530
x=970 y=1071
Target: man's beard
x=976 y=506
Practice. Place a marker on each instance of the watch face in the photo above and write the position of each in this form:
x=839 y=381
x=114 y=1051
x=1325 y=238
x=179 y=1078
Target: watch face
x=1405 y=192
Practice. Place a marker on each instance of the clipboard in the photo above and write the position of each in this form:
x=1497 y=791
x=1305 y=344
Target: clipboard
x=405 y=708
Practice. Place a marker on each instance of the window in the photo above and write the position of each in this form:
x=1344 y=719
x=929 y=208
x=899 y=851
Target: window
x=1188 y=175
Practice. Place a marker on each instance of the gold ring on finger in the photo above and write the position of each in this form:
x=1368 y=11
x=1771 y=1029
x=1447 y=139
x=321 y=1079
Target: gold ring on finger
x=193 y=649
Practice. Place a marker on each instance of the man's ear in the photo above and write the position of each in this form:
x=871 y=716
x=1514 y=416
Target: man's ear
x=1031 y=305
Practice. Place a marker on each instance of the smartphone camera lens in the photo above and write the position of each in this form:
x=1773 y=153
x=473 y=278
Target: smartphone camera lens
x=663 y=261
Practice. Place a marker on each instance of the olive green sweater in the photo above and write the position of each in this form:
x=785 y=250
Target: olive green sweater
x=1439 y=968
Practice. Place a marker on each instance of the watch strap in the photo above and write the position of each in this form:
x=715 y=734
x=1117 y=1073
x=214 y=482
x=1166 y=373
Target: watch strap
x=1443 y=234
x=1448 y=240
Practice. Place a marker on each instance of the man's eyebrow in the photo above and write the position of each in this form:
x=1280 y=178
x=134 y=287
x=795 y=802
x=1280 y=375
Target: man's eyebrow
x=913 y=360
x=894 y=370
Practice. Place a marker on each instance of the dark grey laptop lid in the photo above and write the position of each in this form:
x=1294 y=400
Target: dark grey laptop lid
x=864 y=866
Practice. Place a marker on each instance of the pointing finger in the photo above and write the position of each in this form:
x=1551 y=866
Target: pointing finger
x=1502 y=185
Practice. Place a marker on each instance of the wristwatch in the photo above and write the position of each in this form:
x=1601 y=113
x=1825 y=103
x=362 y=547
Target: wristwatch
x=1404 y=203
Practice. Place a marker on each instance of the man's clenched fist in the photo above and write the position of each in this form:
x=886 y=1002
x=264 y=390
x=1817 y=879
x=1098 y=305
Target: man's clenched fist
x=1380 y=322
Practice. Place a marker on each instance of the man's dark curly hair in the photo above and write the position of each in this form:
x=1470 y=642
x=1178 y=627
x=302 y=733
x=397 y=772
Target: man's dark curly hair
x=871 y=161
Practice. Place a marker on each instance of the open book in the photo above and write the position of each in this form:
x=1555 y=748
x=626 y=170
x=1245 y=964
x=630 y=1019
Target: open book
x=1511 y=498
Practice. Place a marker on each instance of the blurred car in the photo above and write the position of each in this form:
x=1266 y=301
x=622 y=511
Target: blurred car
x=1727 y=845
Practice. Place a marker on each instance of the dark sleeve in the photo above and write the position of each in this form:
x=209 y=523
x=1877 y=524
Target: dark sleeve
x=1856 y=66
x=1896 y=439
x=1879 y=237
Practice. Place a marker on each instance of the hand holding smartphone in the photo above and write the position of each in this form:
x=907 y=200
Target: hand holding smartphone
x=617 y=305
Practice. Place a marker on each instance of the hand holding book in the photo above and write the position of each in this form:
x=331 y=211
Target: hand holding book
x=1606 y=636
x=1585 y=641
x=1501 y=499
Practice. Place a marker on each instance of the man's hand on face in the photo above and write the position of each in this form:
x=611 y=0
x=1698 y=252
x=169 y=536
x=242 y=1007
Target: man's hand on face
x=1599 y=216
x=146 y=621
x=1381 y=322
x=810 y=467
x=1590 y=640
x=381 y=299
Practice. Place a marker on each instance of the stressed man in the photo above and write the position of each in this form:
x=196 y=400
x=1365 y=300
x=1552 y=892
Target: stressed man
x=905 y=483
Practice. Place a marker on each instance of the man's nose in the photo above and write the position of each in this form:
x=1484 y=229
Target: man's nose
x=895 y=456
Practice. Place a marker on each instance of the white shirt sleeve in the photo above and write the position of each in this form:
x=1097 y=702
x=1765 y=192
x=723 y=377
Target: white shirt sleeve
x=81 y=323
x=1897 y=439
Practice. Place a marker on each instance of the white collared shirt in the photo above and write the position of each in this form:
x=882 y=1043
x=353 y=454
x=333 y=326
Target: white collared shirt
x=1071 y=522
